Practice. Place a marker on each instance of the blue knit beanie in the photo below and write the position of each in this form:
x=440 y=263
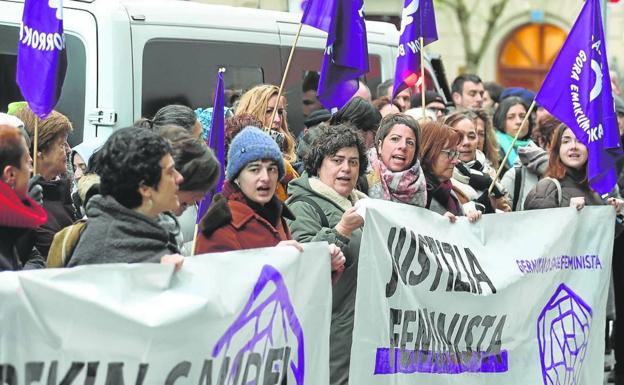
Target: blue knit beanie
x=249 y=145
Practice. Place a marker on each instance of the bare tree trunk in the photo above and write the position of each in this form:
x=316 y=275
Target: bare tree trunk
x=464 y=15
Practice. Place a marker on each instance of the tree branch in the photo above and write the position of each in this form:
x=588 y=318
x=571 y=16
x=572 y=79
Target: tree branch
x=495 y=12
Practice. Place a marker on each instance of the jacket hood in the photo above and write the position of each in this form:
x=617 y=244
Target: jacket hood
x=534 y=158
x=87 y=148
x=107 y=209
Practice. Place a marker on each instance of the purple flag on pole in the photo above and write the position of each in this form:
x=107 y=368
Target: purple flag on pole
x=418 y=19
x=216 y=142
x=577 y=90
x=41 y=60
x=346 y=55
x=319 y=13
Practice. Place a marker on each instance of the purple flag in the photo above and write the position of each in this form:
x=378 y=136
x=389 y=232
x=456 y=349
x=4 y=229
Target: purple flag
x=216 y=142
x=346 y=55
x=319 y=13
x=577 y=90
x=41 y=60
x=418 y=19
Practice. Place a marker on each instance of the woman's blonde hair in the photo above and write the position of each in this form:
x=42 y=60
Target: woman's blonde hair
x=255 y=102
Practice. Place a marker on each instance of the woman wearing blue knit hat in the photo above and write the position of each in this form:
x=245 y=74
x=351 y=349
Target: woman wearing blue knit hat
x=247 y=214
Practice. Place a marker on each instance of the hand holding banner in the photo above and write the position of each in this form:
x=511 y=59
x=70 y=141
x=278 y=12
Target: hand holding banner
x=467 y=304
x=252 y=316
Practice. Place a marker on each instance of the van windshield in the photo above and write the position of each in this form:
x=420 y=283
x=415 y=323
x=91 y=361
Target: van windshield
x=72 y=101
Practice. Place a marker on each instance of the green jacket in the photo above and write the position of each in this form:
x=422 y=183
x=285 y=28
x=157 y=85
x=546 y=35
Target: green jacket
x=307 y=228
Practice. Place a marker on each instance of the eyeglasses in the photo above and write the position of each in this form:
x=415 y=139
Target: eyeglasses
x=443 y=111
x=451 y=154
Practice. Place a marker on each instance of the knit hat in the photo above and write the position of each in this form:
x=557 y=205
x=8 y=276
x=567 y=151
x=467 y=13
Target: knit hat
x=527 y=96
x=249 y=145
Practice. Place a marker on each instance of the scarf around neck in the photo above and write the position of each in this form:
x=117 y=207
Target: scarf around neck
x=441 y=192
x=330 y=194
x=20 y=213
x=505 y=140
x=407 y=186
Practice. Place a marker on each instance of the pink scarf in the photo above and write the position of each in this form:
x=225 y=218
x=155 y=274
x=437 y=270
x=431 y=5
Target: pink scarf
x=407 y=186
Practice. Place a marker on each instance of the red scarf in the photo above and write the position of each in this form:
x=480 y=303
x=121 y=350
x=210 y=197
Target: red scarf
x=15 y=212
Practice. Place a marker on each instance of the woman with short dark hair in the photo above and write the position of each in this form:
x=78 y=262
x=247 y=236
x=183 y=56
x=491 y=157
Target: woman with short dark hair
x=362 y=115
x=395 y=172
x=323 y=200
x=200 y=171
x=139 y=181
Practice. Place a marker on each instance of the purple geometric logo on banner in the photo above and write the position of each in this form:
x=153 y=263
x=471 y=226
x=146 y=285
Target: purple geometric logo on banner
x=266 y=338
x=563 y=336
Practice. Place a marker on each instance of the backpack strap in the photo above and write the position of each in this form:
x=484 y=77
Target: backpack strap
x=517 y=185
x=315 y=206
x=558 y=185
x=64 y=243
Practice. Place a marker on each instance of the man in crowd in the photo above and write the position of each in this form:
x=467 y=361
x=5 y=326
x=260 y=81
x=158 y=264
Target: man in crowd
x=309 y=99
x=467 y=92
x=402 y=100
x=433 y=101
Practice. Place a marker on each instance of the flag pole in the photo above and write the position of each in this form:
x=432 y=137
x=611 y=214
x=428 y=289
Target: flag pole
x=281 y=87
x=422 y=77
x=198 y=205
x=35 y=145
x=500 y=168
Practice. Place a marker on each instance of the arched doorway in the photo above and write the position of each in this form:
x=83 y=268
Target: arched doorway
x=527 y=54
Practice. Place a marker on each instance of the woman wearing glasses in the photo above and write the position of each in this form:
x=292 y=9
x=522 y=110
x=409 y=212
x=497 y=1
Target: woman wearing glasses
x=438 y=157
x=52 y=153
x=260 y=102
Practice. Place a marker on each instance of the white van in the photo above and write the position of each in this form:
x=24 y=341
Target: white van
x=128 y=58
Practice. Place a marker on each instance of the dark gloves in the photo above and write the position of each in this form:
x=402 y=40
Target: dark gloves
x=35 y=191
x=484 y=204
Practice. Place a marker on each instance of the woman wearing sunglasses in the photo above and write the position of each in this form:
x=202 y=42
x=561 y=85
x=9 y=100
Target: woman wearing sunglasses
x=438 y=158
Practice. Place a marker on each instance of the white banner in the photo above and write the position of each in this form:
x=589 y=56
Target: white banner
x=250 y=316
x=513 y=299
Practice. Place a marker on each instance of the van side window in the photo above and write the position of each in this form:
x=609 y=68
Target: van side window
x=72 y=101
x=185 y=71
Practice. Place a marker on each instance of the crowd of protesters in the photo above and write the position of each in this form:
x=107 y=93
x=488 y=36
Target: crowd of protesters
x=132 y=197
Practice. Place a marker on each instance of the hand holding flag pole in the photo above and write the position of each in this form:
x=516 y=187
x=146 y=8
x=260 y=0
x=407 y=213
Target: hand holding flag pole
x=41 y=69
x=525 y=121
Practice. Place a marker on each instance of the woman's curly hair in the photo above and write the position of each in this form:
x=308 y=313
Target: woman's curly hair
x=131 y=158
x=329 y=141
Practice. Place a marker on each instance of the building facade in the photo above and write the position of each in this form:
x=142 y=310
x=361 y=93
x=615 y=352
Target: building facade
x=525 y=39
